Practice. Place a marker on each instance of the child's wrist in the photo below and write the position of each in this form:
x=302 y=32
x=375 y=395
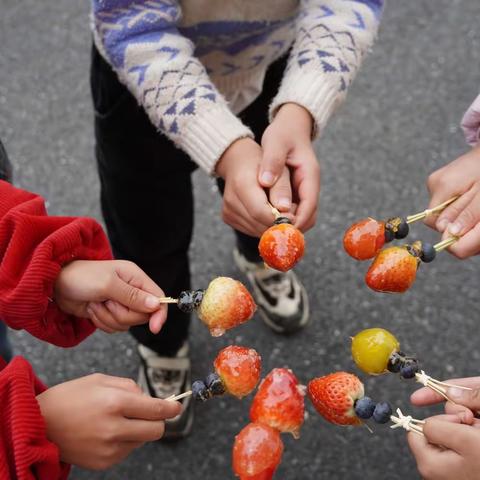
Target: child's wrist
x=298 y=116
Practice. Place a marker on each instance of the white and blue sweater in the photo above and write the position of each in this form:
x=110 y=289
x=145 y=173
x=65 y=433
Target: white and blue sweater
x=194 y=64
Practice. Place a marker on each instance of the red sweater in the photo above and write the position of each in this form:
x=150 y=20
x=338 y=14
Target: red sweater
x=33 y=248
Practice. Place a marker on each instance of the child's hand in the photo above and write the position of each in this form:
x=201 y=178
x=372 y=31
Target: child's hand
x=467 y=402
x=96 y=421
x=245 y=203
x=287 y=142
x=460 y=177
x=114 y=294
x=449 y=450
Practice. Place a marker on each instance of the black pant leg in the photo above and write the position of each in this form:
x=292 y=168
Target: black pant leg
x=256 y=117
x=146 y=197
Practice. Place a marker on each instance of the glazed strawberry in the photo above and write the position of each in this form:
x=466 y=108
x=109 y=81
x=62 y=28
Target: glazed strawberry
x=334 y=395
x=257 y=452
x=279 y=402
x=364 y=239
x=239 y=369
x=282 y=245
x=225 y=304
x=393 y=270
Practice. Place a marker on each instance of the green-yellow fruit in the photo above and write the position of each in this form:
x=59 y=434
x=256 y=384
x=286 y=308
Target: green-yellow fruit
x=372 y=348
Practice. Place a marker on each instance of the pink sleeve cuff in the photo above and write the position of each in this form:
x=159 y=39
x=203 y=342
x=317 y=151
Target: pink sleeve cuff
x=471 y=123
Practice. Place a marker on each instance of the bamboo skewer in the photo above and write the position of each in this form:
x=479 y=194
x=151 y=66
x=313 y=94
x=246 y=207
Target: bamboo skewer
x=436 y=385
x=168 y=300
x=430 y=211
x=445 y=243
x=407 y=422
x=175 y=398
x=275 y=211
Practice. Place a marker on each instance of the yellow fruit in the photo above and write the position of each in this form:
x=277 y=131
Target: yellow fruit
x=372 y=348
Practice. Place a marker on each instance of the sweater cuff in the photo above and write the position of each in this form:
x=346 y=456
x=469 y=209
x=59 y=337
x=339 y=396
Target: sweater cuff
x=212 y=131
x=313 y=92
x=24 y=447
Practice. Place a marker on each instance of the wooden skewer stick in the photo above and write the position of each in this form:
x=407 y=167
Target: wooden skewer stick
x=437 y=385
x=168 y=300
x=276 y=212
x=430 y=211
x=175 y=398
x=407 y=422
x=445 y=243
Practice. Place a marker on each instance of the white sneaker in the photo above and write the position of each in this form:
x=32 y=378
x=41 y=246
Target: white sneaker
x=281 y=297
x=163 y=377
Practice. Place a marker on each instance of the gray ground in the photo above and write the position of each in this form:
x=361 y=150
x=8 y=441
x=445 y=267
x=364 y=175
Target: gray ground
x=399 y=123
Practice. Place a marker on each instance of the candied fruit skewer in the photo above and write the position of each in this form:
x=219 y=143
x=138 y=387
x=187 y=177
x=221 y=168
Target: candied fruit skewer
x=237 y=372
x=282 y=245
x=376 y=351
x=225 y=304
x=365 y=238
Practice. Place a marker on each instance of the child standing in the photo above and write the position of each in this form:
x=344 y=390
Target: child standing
x=239 y=88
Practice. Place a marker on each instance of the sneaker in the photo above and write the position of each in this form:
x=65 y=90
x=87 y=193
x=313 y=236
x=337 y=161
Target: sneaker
x=163 y=377
x=281 y=297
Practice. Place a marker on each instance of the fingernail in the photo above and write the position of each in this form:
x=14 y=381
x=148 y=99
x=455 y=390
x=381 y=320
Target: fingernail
x=267 y=178
x=455 y=228
x=284 y=202
x=442 y=224
x=152 y=302
x=455 y=393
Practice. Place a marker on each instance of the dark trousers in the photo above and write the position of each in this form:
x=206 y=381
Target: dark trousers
x=146 y=191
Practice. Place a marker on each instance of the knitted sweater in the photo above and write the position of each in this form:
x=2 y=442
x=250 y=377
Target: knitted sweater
x=33 y=249
x=194 y=64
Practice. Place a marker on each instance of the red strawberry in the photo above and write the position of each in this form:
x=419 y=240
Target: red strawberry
x=282 y=246
x=334 y=395
x=239 y=368
x=364 y=239
x=279 y=402
x=257 y=452
x=226 y=304
x=393 y=271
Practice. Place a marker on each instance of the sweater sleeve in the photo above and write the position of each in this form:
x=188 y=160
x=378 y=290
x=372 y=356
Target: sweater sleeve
x=25 y=451
x=142 y=43
x=332 y=39
x=33 y=249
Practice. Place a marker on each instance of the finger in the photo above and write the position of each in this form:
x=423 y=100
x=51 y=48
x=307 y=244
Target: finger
x=468 y=218
x=468 y=245
x=256 y=208
x=467 y=398
x=133 y=430
x=273 y=161
x=464 y=414
x=124 y=383
x=144 y=407
x=134 y=289
x=105 y=317
x=449 y=215
x=449 y=434
x=158 y=319
x=97 y=322
x=239 y=219
x=125 y=316
x=426 y=396
x=308 y=188
x=281 y=192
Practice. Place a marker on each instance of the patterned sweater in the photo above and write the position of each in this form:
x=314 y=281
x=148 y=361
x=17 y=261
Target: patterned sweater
x=194 y=64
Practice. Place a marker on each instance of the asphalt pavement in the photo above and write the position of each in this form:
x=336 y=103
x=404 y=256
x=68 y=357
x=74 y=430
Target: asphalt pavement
x=400 y=122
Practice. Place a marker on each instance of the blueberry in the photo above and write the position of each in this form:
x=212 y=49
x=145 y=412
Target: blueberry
x=389 y=235
x=200 y=391
x=428 y=252
x=215 y=385
x=281 y=220
x=185 y=301
x=364 y=408
x=197 y=297
x=395 y=362
x=402 y=230
x=409 y=369
x=382 y=412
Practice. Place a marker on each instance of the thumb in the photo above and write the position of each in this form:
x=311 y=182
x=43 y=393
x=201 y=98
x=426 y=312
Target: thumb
x=273 y=162
x=467 y=398
x=133 y=297
x=467 y=218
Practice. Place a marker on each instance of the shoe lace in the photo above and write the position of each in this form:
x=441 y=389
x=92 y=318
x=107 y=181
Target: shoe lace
x=278 y=285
